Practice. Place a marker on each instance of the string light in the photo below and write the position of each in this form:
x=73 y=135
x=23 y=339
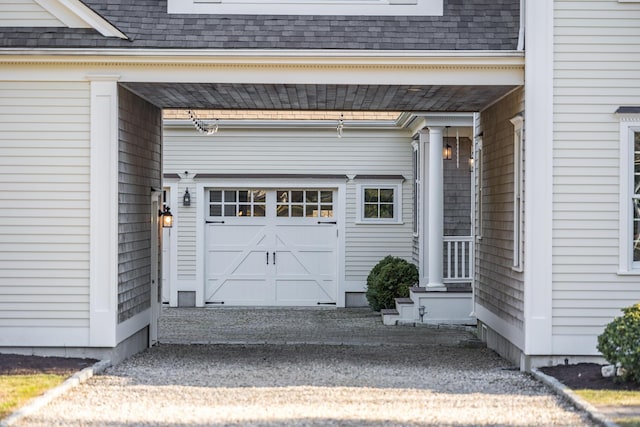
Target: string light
x=202 y=127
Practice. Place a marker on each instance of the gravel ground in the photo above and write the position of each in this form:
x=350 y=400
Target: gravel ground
x=446 y=381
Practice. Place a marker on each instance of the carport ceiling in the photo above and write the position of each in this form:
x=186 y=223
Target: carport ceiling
x=227 y=96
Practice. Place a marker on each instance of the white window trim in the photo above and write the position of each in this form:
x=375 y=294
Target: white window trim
x=310 y=7
x=478 y=169
x=518 y=191
x=629 y=124
x=397 y=202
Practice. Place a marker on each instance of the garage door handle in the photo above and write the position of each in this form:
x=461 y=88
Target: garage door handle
x=327 y=222
x=267 y=258
x=274 y=258
x=214 y=222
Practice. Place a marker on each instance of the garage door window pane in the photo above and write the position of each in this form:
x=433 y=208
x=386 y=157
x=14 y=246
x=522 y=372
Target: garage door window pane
x=326 y=211
x=312 y=197
x=230 y=210
x=215 y=210
x=326 y=196
x=215 y=196
x=259 y=210
x=297 y=196
x=297 y=211
x=259 y=196
x=229 y=196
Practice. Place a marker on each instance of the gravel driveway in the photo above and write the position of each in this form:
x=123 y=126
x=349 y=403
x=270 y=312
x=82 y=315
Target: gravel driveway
x=272 y=376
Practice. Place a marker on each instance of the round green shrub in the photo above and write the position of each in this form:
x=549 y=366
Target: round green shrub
x=390 y=278
x=620 y=343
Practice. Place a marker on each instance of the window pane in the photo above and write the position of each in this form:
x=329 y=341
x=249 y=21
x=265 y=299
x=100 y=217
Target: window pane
x=215 y=210
x=215 y=196
x=386 y=211
x=297 y=211
x=312 y=197
x=312 y=211
x=386 y=195
x=297 y=196
x=371 y=211
x=244 y=210
x=283 y=196
x=326 y=211
x=370 y=195
x=259 y=196
x=282 y=211
x=259 y=210
x=230 y=210
x=326 y=196
x=243 y=196
x=229 y=196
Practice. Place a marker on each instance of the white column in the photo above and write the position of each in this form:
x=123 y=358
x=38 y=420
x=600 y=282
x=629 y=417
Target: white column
x=423 y=210
x=103 y=243
x=436 y=209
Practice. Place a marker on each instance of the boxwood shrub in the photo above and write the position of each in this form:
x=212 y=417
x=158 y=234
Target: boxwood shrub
x=620 y=343
x=390 y=278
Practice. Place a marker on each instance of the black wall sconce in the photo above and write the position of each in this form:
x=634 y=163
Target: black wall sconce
x=186 y=199
x=166 y=217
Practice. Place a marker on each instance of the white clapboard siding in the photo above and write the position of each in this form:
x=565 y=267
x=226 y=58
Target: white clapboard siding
x=312 y=151
x=44 y=220
x=597 y=58
x=26 y=13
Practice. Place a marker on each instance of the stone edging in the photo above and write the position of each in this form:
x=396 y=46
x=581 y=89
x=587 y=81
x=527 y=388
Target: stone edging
x=48 y=396
x=572 y=397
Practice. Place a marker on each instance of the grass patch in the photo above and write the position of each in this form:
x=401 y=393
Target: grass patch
x=610 y=397
x=628 y=422
x=613 y=398
x=16 y=390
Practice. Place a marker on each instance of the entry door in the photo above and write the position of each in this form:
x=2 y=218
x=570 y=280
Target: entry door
x=271 y=247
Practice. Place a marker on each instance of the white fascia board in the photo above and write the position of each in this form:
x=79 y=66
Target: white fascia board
x=75 y=14
x=208 y=56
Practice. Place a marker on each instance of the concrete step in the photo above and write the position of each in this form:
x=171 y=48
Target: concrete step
x=390 y=316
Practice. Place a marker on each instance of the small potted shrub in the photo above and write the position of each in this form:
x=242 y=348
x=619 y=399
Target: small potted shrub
x=620 y=343
x=391 y=278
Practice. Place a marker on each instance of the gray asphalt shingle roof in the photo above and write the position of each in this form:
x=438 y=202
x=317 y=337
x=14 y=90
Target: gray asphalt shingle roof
x=466 y=25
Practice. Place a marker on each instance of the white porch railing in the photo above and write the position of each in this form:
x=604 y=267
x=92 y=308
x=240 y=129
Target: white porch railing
x=458 y=259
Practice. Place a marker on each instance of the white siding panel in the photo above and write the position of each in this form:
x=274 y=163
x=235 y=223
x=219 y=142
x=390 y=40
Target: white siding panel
x=312 y=151
x=597 y=58
x=26 y=13
x=44 y=192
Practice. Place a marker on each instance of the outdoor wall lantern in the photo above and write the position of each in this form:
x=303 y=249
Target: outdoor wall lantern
x=446 y=152
x=186 y=199
x=421 y=313
x=167 y=218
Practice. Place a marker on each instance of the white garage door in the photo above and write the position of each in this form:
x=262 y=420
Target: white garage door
x=271 y=247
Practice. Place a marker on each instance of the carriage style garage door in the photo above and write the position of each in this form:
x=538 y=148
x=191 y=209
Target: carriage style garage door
x=271 y=247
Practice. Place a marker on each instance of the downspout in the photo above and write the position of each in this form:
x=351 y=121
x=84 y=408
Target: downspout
x=520 y=46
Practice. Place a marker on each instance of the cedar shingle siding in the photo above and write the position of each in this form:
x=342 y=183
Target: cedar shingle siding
x=466 y=25
x=140 y=135
x=499 y=289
